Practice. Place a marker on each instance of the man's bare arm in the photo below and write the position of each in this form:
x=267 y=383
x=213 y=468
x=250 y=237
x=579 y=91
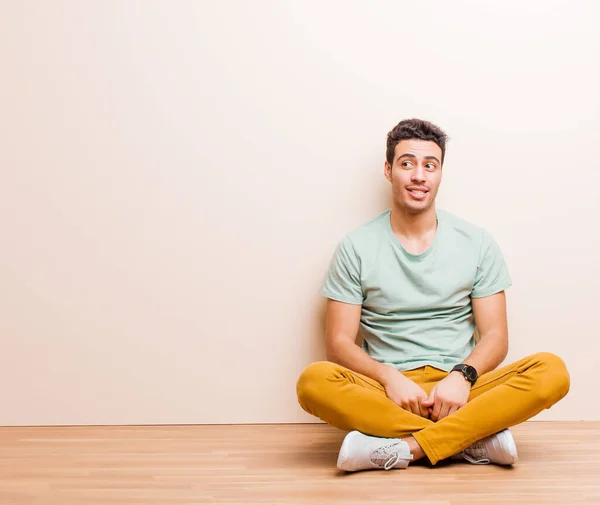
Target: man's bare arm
x=341 y=328
x=492 y=325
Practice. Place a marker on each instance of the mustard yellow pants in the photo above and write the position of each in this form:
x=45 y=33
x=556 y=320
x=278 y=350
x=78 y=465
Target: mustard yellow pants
x=499 y=399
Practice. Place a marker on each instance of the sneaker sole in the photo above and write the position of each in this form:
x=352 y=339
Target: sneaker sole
x=345 y=449
x=508 y=442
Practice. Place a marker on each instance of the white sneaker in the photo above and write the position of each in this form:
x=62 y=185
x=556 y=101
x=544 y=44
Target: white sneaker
x=498 y=448
x=363 y=452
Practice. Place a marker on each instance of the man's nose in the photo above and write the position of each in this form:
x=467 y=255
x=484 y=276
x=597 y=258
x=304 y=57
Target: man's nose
x=418 y=174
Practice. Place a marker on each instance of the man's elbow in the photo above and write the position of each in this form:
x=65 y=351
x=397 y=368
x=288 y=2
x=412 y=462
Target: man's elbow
x=334 y=348
x=332 y=353
x=497 y=344
x=502 y=347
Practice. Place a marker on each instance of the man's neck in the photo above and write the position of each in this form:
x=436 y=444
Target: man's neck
x=413 y=226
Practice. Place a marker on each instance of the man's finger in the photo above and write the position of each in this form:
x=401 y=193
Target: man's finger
x=436 y=411
x=423 y=409
x=444 y=411
x=452 y=410
x=428 y=402
x=414 y=406
x=431 y=398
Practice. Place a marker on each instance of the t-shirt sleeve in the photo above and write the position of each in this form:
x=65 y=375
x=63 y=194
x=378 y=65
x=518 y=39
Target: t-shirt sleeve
x=342 y=281
x=492 y=273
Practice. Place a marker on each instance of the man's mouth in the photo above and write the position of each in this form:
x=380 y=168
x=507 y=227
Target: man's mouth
x=417 y=193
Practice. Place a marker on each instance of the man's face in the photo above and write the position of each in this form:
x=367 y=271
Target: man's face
x=415 y=174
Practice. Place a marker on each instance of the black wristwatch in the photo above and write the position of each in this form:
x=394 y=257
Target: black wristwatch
x=468 y=371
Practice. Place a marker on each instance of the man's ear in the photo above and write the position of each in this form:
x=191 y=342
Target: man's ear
x=387 y=171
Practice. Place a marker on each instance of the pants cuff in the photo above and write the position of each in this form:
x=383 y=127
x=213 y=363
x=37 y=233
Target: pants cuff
x=427 y=448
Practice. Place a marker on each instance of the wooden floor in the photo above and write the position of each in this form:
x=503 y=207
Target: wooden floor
x=279 y=464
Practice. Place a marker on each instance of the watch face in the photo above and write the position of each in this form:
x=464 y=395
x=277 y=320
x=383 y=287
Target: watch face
x=471 y=373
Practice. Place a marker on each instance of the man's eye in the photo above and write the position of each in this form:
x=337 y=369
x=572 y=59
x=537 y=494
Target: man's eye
x=406 y=164
x=430 y=166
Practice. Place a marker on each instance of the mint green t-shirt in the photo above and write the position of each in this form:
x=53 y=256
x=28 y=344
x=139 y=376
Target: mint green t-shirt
x=416 y=308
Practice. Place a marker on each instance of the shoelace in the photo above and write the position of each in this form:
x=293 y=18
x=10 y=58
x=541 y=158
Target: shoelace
x=391 y=461
x=476 y=454
x=392 y=456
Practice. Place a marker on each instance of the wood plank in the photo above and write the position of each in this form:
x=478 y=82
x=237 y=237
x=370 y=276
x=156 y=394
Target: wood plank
x=279 y=464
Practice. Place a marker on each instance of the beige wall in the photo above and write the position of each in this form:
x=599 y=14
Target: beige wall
x=175 y=176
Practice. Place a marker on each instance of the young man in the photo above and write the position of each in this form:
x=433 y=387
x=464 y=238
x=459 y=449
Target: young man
x=417 y=282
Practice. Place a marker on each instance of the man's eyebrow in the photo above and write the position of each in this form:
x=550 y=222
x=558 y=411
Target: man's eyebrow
x=409 y=155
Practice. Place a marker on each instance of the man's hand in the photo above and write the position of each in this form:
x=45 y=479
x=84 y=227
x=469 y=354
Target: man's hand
x=406 y=393
x=449 y=395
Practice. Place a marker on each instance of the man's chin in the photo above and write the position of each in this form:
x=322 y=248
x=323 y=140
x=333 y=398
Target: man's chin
x=418 y=208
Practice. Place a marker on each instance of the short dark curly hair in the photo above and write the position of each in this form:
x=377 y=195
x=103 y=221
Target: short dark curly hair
x=409 y=129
